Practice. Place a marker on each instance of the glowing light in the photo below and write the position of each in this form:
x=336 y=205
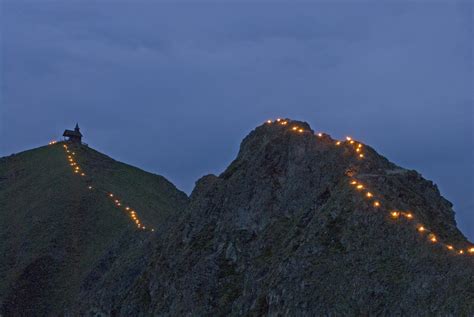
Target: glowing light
x=127 y=208
x=338 y=143
x=361 y=155
x=376 y=204
x=82 y=174
x=461 y=251
x=76 y=171
x=116 y=200
x=360 y=187
x=348 y=138
x=409 y=215
x=470 y=250
x=320 y=135
x=152 y=229
x=269 y=121
x=278 y=119
x=352 y=142
x=90 y=187
x=421 y=229
x=359 y=146
x=354 y=183
x=369 y=194
x=395 y=214
x=300 y=130
x=295 y=128
x=357 y=150
x=450 y=247
x=433 y=238
x=284 y=123
x=111 y=195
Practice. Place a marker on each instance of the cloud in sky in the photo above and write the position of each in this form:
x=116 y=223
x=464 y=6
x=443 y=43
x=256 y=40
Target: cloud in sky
x=181 y=84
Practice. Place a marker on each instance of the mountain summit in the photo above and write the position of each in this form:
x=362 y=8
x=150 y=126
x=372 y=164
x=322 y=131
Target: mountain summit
x=298 y=224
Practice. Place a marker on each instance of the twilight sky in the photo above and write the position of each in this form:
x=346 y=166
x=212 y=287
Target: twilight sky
x=174 y=88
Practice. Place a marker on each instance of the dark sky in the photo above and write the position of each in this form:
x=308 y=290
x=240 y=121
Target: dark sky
x=174 y=88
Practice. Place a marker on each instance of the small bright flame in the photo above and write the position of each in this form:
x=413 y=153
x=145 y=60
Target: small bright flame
x=369 y=194
x=409 y=215
x=395 y=214
x=354 y=183
x=433 y=239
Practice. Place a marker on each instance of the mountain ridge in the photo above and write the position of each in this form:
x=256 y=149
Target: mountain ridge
x=286 y=229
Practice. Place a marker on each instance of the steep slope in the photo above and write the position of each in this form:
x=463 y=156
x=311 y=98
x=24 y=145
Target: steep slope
x=58 y=225
x=301 y=224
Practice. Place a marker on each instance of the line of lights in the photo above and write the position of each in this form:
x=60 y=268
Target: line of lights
x=76 y=169
x=375 y=202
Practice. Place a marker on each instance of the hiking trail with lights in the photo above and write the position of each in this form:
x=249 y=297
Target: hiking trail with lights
x=360 y=187
x=77 y=170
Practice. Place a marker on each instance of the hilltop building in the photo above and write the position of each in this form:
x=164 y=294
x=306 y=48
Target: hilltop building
x=73 y=135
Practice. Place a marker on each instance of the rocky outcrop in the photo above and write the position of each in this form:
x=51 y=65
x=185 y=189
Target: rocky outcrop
x=282 y=231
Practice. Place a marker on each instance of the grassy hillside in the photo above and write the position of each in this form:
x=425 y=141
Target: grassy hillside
x=55 y=229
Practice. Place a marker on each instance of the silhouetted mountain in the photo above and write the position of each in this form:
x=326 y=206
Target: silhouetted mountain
x=298 y=224
x=55 y=228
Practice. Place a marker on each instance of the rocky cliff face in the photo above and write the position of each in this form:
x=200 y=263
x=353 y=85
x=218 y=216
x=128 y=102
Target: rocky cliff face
x=301 y=224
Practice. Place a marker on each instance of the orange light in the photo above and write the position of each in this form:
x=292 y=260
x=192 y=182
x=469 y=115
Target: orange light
x=300 y=130
x=284 y=123
x=470 y=250
x=421 y=229
x=450 y=247
x=295 y=128
x=395 y=214
x=369 y=194
x=352 y=142
x=461 y=251
x=360 y=186
x=357 y=150
x=361 y=155
x=359 y=146
x=338 y=143
x=76 y=171
x=353 y=182
x=409 y=215
x=433 y=238
x=127 y=208
x=376 y=204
